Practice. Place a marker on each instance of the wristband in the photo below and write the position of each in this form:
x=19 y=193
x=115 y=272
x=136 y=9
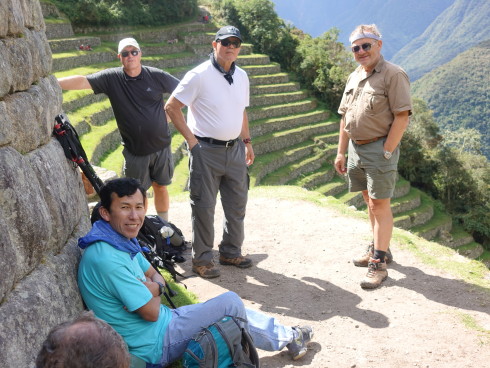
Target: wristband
x=247 y=140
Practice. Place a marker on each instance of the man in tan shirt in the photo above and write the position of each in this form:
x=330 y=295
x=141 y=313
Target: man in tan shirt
x=375 y=110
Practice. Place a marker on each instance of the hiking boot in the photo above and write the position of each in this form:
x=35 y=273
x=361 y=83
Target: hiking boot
x=298 y=347
x=207 y=271
x=363 y=260
x=240 y=261
x=377 y=273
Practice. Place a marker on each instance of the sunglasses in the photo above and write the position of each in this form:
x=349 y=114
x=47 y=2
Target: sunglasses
x=226 y=42
x=365 y=46
x=132 y=52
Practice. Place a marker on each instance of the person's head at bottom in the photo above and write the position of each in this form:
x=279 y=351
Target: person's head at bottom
x=86 y=342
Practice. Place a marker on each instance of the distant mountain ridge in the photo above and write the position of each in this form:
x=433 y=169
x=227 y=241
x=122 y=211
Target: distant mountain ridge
x=461 y=26
x=457 y=92
x=399 y=21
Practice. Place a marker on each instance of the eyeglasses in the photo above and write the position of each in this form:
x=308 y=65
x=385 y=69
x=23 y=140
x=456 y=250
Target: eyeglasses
x=365 y=46
x=132 y=52
x=226 y=42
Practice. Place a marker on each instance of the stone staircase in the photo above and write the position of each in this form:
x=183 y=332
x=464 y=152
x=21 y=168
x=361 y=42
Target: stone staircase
x=294 y=139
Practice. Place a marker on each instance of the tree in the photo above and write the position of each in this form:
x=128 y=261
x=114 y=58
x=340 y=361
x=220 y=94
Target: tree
x=324 y=64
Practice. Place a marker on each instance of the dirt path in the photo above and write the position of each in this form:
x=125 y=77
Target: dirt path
x=303 y=274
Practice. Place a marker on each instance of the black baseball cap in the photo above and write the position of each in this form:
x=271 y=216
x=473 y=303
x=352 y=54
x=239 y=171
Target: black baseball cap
x=228 y=31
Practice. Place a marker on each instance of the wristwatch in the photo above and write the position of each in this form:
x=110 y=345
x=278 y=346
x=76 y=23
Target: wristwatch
x=247 y=140
x=161 y=288
x=387 y=155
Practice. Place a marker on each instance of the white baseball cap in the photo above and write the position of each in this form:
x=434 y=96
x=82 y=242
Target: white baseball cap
x=127 y=42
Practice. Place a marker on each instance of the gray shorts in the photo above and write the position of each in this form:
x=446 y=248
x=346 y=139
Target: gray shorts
x=156 y=167
x=367 y=169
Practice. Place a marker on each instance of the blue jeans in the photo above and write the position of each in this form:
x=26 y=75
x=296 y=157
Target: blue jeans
x=267 y=332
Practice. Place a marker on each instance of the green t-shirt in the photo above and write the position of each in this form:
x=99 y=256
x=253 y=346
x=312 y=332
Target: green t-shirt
x=111 y=286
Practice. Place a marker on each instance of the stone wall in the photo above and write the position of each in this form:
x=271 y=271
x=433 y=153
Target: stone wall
x=43 y=209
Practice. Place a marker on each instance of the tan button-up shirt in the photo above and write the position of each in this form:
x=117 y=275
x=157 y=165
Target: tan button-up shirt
x=370 y=100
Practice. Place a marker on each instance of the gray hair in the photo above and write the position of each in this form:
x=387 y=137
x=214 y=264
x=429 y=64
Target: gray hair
x=86 y=342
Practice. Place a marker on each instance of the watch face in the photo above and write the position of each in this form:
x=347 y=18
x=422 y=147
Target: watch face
x=387 y=155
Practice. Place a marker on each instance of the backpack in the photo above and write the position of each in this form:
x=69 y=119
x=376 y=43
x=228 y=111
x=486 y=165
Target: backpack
x=223 y=344
x=164 y=238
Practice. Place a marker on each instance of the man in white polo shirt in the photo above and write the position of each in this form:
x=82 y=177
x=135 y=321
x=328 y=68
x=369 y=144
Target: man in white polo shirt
x=218 y=138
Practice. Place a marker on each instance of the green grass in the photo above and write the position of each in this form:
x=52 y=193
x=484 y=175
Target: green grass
x=113 y=161
x=91 y=140
x=86 y=112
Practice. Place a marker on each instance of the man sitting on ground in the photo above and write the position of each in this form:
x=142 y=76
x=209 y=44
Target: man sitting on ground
x=86 y=342
x=122 y=288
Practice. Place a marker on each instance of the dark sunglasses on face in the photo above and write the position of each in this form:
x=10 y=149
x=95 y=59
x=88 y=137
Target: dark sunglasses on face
x=365 y=46
x=133 y=52
x=226 y=42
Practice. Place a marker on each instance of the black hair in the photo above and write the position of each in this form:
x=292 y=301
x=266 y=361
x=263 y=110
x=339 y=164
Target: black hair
x=122 y=187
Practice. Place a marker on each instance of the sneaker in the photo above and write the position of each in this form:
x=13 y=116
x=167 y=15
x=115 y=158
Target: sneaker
x=240 y=261
x=377 y=273
x=298 y=347
x=363 y=260
x=208 y=271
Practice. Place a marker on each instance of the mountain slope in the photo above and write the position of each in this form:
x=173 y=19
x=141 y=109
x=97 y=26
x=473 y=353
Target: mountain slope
x=457 y=92
x=461 y=26
x=399 y=21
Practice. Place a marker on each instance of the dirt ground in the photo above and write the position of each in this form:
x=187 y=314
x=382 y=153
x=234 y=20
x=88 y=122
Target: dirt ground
x=303 y=274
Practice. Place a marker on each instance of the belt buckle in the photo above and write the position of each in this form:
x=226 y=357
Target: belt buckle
x=229 y=144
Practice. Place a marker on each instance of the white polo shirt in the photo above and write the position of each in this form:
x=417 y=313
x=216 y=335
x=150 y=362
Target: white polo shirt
x=215 y=107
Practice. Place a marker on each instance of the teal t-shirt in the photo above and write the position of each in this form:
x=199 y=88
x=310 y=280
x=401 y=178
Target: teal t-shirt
x=111 y=286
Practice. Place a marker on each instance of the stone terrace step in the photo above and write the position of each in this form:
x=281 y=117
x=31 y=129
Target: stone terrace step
x=314 y=179
x=274 y=88
x=179 y=31
x=277 y=98
x=418 y=216
x=58 y=30
x=472 y=250
x=272 y=161
x=253 y=59
x=281 y=140
x=268 y=79
x=172 y=61
x=336 y=186
x=257 y=113
x=85 y=99
x=70 y=44
x=406 y=203
x=294 y=170
x=81 y=58
x=163 y=49
x=266 y=126
x=262 y=69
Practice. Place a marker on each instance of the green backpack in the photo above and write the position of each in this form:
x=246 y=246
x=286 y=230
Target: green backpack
x=223 y=344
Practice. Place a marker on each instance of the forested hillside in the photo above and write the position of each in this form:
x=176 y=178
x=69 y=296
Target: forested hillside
x=457 y=92
x=461 y=26
x=399 y=21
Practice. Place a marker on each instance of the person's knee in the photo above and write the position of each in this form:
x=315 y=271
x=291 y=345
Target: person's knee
x=234 y=303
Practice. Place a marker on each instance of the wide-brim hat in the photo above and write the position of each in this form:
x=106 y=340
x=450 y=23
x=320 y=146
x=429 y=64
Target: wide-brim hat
x=228 y=31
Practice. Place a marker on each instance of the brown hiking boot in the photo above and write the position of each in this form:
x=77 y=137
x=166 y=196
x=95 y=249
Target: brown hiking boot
x=240 y=261
x=208 y=271
x=363 y=260
x=377 y=273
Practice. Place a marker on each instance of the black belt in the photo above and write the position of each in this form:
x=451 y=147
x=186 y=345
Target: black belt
x=229 y=143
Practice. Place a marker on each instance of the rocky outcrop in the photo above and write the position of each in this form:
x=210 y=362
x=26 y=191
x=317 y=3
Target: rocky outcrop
x=43 y=209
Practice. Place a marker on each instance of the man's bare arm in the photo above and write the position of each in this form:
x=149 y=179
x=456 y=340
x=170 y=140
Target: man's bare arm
x=173 y=108
x=74 y=82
